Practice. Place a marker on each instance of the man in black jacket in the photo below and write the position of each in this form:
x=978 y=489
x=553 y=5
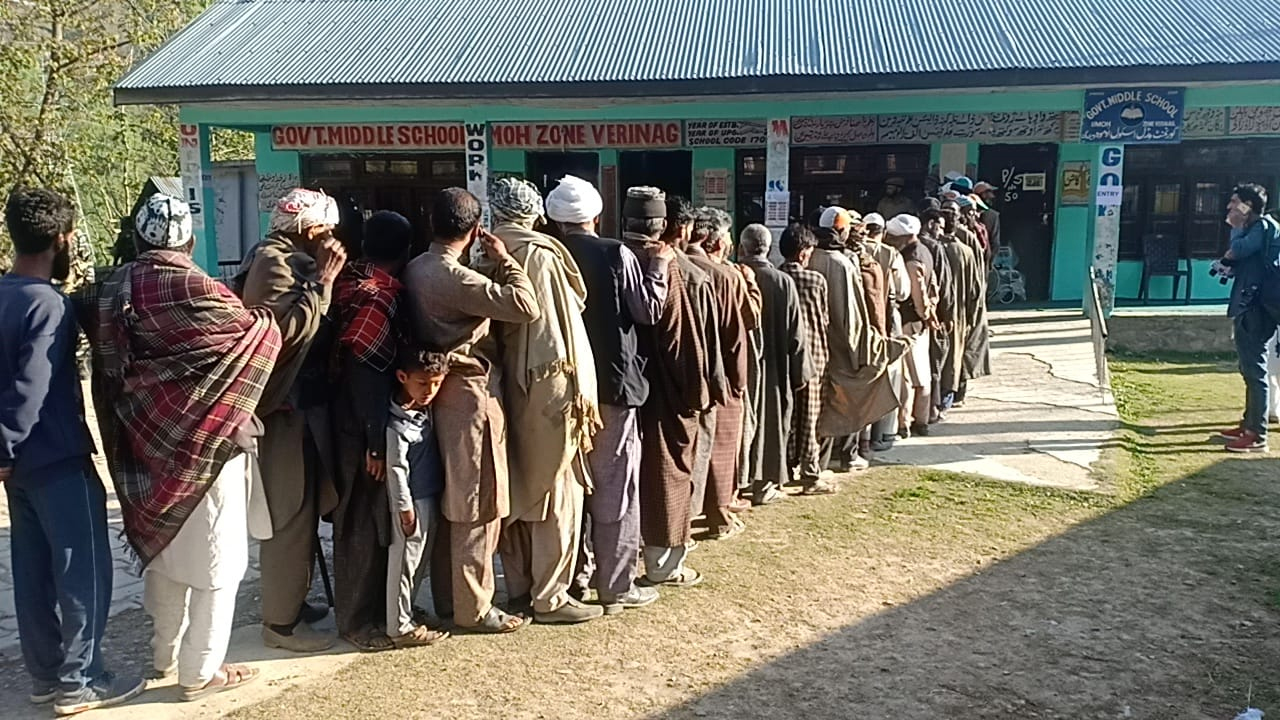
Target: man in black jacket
x=621 y=294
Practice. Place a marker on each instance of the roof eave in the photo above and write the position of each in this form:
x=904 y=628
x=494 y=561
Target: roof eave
x=1245 y=72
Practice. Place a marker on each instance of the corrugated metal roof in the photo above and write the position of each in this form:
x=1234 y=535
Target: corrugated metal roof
x=457 y=47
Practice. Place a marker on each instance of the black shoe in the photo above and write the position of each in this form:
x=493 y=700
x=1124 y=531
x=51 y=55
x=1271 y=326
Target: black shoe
x=312 y=614
x=884 y=445
x=920 y=430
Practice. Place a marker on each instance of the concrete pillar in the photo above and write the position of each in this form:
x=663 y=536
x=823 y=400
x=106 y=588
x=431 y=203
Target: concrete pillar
x=196 y=168
x=1108 y=196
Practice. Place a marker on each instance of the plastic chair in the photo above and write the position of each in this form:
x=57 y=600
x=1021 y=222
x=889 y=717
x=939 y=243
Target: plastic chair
x=1162 y=257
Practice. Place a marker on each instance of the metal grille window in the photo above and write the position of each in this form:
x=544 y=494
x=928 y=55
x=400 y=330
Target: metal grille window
x=1182 y=190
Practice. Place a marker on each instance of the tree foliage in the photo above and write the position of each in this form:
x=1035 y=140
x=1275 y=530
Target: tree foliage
x=58 y=125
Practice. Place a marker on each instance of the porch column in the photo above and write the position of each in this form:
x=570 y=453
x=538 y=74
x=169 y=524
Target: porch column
x=1108 y=197
x=777 y=188
x=196 y=167
x=477 y=164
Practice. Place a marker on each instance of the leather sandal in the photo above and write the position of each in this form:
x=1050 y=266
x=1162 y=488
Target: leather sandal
x=228 y=677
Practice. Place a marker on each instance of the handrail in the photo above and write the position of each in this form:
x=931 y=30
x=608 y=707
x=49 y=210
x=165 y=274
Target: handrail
x=1099 y=333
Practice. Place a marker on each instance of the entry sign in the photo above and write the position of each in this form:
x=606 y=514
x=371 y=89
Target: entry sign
x=1133 y=115
x=1110 y=180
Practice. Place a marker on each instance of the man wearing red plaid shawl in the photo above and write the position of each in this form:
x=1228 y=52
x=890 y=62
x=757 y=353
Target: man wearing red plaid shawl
x=365 y=301
x=182 y=365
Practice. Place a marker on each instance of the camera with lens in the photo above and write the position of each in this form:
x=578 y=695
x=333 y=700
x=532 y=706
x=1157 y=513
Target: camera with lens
x=1220 y=271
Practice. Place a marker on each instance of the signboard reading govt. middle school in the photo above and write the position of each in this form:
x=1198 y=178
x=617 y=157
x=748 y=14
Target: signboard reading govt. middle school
x=1133 y=115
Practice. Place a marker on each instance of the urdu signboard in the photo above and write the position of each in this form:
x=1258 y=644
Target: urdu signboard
x=1133 y=115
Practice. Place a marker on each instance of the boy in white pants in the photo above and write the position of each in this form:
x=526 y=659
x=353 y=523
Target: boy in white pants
x=415 y=482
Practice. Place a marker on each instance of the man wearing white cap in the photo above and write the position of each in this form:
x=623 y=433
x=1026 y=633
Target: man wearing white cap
x=918 y=314
x=621 y=295
x=167 y=330
x=897 y=288
x=856 y=390
x=291 y=273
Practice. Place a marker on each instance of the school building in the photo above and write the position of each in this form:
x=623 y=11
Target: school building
x=1114 y=129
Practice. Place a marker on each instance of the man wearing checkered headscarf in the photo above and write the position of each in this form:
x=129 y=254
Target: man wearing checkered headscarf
x=515 y=200
x=291 y=273
x=547 y=363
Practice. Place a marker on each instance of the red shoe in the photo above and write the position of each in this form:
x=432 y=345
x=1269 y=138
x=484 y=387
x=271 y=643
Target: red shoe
x=1249 y=442
x=1234 y=433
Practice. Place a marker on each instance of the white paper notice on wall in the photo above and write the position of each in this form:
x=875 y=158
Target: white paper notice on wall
x=777 y=209
x=1034 y=182
x=715 y=188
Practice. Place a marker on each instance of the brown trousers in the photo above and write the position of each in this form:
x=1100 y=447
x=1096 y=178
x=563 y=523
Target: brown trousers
x=472 y=547
x=289 y=461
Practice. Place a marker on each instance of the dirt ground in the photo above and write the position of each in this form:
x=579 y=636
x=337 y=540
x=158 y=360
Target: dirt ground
x=912 y=594
x=921 y=595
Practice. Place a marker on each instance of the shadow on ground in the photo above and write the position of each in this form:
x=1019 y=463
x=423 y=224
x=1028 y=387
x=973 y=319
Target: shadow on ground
x=1165 y=608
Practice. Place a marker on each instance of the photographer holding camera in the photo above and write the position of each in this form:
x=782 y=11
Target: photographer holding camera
x=1251 y=260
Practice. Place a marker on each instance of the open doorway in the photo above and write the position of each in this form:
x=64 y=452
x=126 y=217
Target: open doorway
x=365 y=184
x=1026 y=178
x=669 y=170
x=545 y=169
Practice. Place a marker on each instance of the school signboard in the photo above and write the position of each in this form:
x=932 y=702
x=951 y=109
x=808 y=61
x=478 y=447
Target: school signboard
x=1133 y=115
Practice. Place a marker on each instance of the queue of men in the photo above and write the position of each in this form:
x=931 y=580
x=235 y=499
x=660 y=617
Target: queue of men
x=576 y=405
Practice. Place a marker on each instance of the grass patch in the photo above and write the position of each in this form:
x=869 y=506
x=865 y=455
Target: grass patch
x=916 y=593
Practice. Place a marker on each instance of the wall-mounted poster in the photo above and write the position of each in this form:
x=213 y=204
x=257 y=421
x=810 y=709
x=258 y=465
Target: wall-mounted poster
x=1076 y=187
x=1134 y=115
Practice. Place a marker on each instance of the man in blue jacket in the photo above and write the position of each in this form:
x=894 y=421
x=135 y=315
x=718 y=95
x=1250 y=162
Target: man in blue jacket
x=1254 y=246
x=61 y=558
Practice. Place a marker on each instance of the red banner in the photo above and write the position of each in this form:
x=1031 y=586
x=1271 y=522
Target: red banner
x=587 y=135
x=390 y=136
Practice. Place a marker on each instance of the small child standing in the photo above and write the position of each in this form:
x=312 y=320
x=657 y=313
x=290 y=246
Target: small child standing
x=415 y=482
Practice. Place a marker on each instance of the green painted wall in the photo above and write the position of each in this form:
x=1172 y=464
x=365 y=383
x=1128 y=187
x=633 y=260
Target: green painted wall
x=511 y=161
x=206 y=250
x=1073 y=225
x=1203 y=287
x=1073 y=233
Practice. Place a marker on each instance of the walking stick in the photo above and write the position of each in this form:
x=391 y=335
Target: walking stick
x=324 y=572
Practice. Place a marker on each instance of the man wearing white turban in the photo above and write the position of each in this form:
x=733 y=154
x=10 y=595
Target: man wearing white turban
x=918 y=313
x=621 y=295
x=291 y=273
